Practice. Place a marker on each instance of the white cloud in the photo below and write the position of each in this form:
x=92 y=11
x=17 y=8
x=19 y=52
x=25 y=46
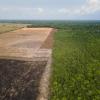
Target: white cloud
x=40 y=10
x=64 y=10
x=90 y=6
x=22 y=10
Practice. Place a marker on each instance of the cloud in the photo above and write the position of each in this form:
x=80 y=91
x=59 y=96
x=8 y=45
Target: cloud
x=89 y=7
x=64 y=10
x=40 y=10
x=22 y=10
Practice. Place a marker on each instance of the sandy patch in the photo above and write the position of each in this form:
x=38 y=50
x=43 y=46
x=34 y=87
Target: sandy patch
x=23 y=42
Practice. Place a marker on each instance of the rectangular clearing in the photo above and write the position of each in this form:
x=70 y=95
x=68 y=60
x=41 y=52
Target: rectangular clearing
x=23 y=43
x=24 y=59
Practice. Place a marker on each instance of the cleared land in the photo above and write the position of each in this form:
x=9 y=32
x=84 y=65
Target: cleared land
x=20 y=80
x=22 y=62
x=75 y=68
x=23 y=43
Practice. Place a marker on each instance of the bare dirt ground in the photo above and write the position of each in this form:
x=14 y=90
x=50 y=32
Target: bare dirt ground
x=48 y=43
x=23 y=59
x=19 y=80
x=23 y=42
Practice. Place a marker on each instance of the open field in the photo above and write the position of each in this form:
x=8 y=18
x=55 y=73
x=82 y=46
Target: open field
x=76 y=60
x=20 y=80
x=24 y=42
x=9 y=27
x=76 y=63
x=23 y=61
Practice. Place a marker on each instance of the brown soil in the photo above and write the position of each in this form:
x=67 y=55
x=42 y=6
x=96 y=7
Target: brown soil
x=28 y=44
x=25 y=38
x=48 y=43
x=19 y=80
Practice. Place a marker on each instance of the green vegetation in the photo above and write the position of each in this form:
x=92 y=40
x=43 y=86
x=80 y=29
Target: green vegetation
x=9 y=27
x=76 y=59
x=76 y=63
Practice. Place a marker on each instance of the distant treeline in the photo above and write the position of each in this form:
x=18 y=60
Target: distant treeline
x=66 y=25
x=59 y=24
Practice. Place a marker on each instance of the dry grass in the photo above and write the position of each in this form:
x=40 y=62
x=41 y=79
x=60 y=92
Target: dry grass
x=9 y=27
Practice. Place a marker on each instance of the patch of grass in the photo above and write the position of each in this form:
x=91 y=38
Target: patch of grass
x=76 y=63
x=9 y=27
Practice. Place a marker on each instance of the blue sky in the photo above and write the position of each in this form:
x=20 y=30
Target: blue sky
x=50 y=9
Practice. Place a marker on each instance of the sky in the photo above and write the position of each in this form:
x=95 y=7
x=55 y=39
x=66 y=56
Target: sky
x=50 y=9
